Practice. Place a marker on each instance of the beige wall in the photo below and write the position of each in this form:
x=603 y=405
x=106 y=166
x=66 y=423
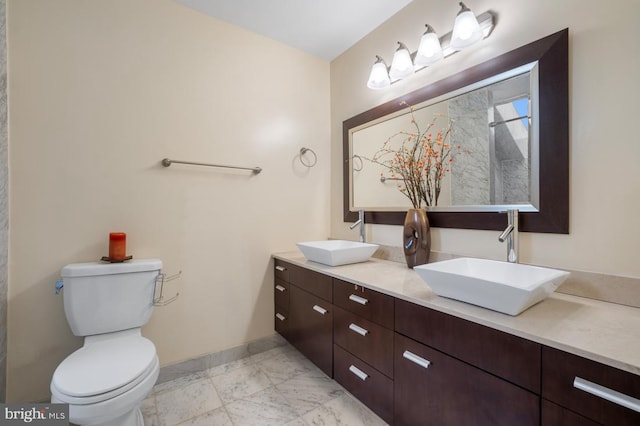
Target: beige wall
x=99 y=93
x=604 y=149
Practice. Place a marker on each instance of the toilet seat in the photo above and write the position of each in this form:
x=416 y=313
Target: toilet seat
x=84 y=400
x=119 y=410
x=104 y=368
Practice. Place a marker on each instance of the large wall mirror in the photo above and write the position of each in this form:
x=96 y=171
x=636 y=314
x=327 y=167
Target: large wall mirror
x=506 y=123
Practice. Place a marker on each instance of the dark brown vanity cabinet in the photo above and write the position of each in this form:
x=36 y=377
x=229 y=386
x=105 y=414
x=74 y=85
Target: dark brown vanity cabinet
x=582 y=389
x=414 y=365
x=449 y=371
x=308 y=318
x=363 y=351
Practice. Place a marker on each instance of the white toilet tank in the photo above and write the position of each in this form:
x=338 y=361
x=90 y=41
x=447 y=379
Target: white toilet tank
x=106 y=297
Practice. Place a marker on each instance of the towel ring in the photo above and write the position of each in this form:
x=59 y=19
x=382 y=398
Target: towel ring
x=303 y=151
x=357 y=157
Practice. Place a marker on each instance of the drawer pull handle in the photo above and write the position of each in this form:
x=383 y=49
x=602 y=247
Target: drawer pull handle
x=281 y=268
x=606 y=393
x=319 y=309
x=356 y=328
x=358 y=299
x=361 y=374
x=416 y=359
x=280 y=317
x=280 y=288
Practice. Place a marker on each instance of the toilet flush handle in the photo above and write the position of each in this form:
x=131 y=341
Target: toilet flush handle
x=59 y=285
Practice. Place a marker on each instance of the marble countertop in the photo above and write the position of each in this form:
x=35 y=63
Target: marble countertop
x=600 y=331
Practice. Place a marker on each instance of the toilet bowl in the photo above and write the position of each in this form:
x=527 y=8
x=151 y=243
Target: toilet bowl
x=105 y=381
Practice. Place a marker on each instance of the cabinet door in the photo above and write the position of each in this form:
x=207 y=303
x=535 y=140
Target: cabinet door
x=431 y=388
x=555 y=415
x=605 y=394
x=311 y=328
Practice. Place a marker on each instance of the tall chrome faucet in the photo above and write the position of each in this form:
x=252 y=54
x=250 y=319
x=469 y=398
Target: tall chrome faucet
x=511 y=236
x=360 y=222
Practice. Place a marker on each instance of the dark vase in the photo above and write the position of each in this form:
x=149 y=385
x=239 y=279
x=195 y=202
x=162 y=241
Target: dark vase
x=416 y=237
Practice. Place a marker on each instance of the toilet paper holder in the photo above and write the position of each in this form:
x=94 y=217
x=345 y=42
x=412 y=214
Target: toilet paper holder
x=158 y=290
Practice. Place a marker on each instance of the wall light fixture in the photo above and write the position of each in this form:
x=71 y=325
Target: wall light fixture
x=379 y=76
x=467 y=30
x=430 y=50
x=402 y=64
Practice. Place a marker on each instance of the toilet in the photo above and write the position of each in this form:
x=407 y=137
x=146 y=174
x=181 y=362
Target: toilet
x=105 y=381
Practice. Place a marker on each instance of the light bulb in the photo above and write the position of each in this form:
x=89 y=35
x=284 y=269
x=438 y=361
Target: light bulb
x=379 y=77
x=429 y=51
x=402 y=65
x=466 y=30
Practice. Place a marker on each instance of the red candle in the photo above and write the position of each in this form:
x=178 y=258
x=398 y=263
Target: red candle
x=117 y=245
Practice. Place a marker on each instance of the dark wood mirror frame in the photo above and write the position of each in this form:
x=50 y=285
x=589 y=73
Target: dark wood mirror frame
x=552 y=54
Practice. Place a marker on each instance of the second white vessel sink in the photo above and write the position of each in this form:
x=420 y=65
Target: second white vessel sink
x=509 y=288
x=337 y=252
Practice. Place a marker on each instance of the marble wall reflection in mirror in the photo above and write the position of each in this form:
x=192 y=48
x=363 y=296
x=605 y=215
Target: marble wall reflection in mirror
x=495 y=140
x=474 y=200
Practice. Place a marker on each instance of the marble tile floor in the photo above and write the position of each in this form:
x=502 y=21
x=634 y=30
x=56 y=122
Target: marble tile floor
x=276 y=387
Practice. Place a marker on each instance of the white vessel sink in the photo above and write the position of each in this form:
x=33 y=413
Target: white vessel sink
x=337 y=252
x=504 y=287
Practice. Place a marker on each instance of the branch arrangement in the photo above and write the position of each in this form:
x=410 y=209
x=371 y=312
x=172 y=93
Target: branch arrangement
x=419 y=160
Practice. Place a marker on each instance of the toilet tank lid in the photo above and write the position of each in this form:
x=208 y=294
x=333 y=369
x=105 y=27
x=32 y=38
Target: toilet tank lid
x=101 y=268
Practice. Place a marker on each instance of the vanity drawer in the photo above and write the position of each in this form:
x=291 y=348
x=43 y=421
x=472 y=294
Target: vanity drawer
x=568 y=379
x=366 y=303
x=367 y=384
x=315 y=283
x=432 y=388
x=368 y=341
x=510 y=357
x=282 y=270
x=281 y=293
x=281 y=324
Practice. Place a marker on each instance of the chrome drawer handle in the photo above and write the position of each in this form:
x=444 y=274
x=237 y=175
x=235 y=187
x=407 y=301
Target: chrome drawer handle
x=416 y=359
x=361 y=374
x=280 y=288
x=319 y=309
x=358 y=299
x=280 y=317
x=281 y=268
x=356 y=328
x=606 y=393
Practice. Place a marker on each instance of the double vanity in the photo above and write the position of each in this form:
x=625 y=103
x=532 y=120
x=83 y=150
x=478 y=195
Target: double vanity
x=416 y=358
